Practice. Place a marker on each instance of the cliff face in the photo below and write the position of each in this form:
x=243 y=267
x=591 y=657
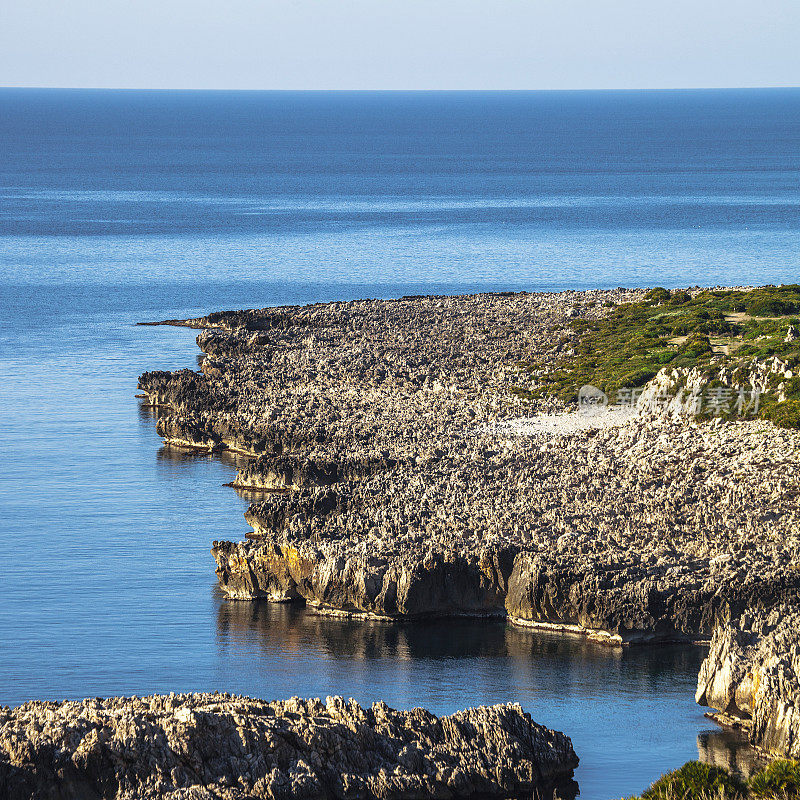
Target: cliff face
x=752 y=676
x=231 y=748
x=639 y=599
x=335 y=579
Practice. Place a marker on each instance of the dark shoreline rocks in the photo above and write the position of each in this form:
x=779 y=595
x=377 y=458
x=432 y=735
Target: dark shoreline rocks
x=403 y=477
x=221 y=746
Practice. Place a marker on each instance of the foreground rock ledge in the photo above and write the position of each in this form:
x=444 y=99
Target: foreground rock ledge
x=752 y=677
x=391 y=480
x=225 y=747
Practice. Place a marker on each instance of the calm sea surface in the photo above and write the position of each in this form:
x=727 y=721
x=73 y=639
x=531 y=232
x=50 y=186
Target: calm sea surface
x=122 y=206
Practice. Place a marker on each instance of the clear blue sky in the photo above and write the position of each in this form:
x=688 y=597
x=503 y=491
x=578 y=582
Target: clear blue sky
x=400 y=44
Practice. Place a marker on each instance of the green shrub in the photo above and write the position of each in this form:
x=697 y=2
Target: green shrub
x=706 y=296
x=658 y=295
x=694 y=781
x=785 y=414
x=792 y=388
x=773 y=301
x=772 y=307
x=781 y=778
x=697 y=346
x=680 y=297
x=637 y=378
x=664 y=356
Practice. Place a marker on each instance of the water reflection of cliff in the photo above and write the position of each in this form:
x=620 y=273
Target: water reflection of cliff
x=730 y=750
x=290 y=628
x=179 y=455
x=294 y=627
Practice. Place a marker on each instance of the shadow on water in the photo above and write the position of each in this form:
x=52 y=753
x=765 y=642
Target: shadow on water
x=267 y=624
x=180 y=455
x=630 y=712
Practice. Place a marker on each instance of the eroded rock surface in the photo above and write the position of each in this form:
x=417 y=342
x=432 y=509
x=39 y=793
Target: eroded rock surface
x=382 y=434
x=204 y=746
x=752 y=676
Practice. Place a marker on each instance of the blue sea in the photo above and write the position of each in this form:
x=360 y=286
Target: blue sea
x=117 y=207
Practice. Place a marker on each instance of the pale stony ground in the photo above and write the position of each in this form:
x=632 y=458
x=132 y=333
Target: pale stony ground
x=562 y=423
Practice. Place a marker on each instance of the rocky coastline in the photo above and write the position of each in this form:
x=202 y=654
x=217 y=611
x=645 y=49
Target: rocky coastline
x=402 y=473
x=226 y=747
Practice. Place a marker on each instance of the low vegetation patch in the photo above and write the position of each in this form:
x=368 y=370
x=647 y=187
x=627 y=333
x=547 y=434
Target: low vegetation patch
x=780 y=779
x=698 y=781
x=707 y=330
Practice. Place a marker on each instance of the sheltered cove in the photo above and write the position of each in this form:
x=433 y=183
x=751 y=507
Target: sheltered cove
x=395 y=485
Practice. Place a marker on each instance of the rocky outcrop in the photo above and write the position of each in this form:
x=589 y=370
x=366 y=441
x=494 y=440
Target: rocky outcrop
x=293 y=472
x=672 y=591
x=399 y=471
x=606 y=532
x=335 y=578
x=752 y=677
x=384 y=437
x=220 y=746
x=676 y=391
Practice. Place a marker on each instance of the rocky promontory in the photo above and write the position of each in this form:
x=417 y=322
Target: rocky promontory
x=225 y=747
x=422 y=456
x=396 y=481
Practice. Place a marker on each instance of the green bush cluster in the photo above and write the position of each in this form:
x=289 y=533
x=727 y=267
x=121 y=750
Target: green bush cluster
x=780 y=779
x=695 y=780
x=629 y=345
x=698 y=781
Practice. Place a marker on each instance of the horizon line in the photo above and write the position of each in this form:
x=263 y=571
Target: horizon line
x=396 y=90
